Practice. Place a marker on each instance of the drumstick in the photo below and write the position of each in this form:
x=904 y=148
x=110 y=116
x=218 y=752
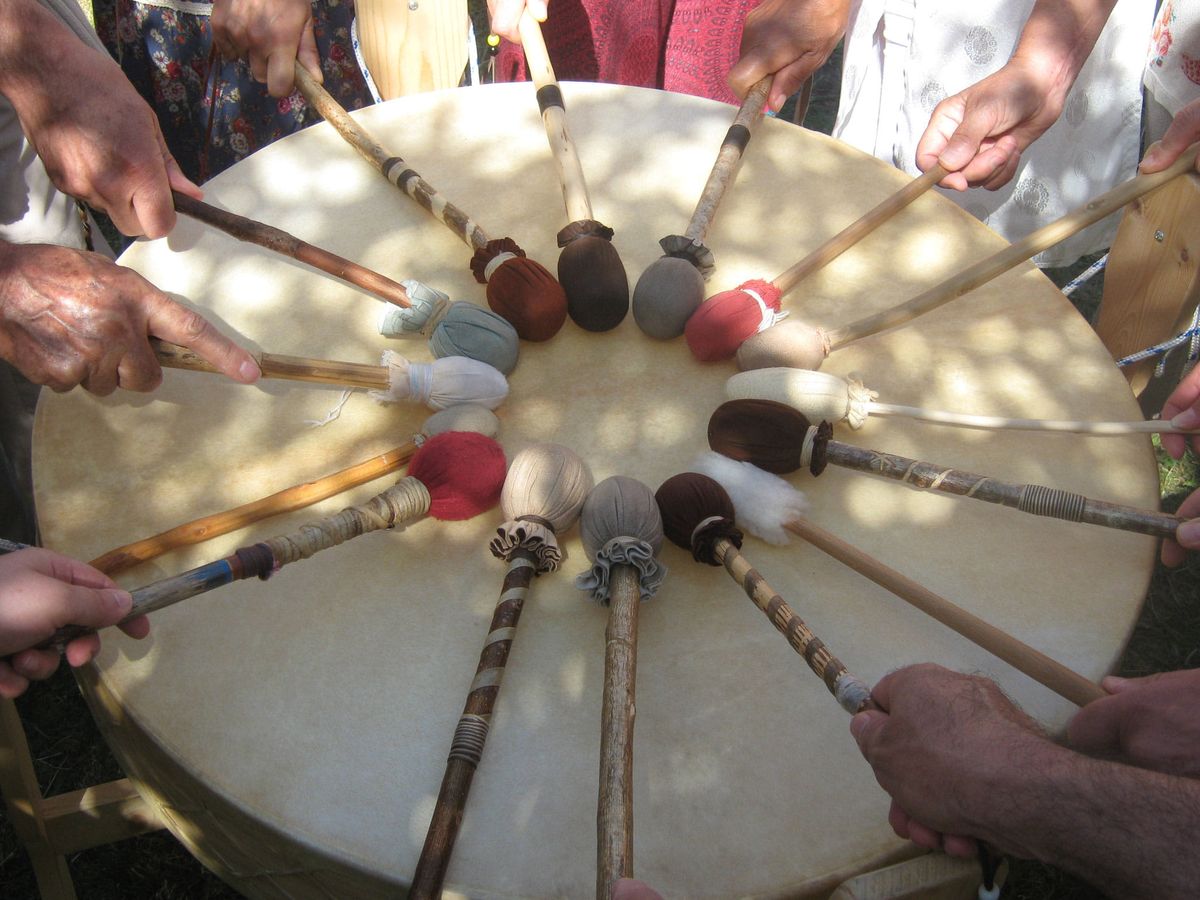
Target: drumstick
x=281 y=242
x=455 y=328
x=806 y=347
x=454 y=476
x=779 y=439
x=672 y=286
x=541 y=499
x=820 y=395
x=444 y=382
x=721 y=323
x=518 y=288
x=771 y=519
x=622 y=531
x=465 y=417
x=698 y=516
x=589 y=268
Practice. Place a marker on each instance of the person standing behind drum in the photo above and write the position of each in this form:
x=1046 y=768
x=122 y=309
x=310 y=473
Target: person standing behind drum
x=41 y=591
x=1119 y=807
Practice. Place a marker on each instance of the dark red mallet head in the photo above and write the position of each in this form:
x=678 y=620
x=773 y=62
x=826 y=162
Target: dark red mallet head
x=720 y=324
x=521 y=290
x=696 y=512
x=592 y=276
x=463 y=472
x=768 y=434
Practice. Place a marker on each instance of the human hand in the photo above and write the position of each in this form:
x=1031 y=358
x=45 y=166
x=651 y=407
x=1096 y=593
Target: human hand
x=42 y=591
x=790 y=39
x=945 y=746
x=1151 y=722
x=273 y=35
x=631 y=889
x=1187 y=535
x=505 y=16
x=978 y=134
x=1183 y=131
x=70 y=317
x=99 y=141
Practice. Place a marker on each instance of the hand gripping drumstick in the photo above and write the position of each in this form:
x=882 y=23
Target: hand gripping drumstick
x=444 y=382
x=777 y=438
x=465 y=417
x=725 y=320
x=589 y=267
x=769 y=507
x=806 y=347
x=672 y=286
x=699 y=516
x=455 y=475
x=283 y=243
x=542 y=496
x=622 y=532
x=518 y=288
x=822 y=396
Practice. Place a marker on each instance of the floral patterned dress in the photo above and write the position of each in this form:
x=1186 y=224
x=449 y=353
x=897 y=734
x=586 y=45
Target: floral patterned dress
x=1173 y=69
x=212 y=111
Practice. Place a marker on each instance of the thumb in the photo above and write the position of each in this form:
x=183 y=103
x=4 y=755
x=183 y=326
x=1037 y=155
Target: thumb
x=92 y=607
x=308 y=55
x=865 y=727
x=172 y=322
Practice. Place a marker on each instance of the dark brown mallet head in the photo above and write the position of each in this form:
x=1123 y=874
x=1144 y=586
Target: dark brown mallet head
x=768 y=434
x=592 y=276
x=520 y=289
x=696 y=512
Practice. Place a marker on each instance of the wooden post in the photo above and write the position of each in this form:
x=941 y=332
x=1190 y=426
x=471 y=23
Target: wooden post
x=411 y=46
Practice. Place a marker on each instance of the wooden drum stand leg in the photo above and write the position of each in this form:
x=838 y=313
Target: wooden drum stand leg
x=1151 y=286
x=52 y=828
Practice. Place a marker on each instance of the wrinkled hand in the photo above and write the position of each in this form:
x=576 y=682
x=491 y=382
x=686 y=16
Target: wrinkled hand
x=1183 y=131
x=944 y=745
x=42 y=591
x=505 y=16
x=632 y=889
x=97 y=138
x=70 y=317
x=790 y=39
x=978 y=135
x=1152 y=723
x=272 y=35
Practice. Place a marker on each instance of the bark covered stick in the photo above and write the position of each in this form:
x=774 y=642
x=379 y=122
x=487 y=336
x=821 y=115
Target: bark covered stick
x=281 y=242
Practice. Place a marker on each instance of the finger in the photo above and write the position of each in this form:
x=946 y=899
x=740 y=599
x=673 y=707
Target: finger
x=90 y=607
x=12 y=685
x=924 y=836
x=258 y=67
x=151 y=199
x=173 y=322
x=34 y=665
x=308 y=56
x=865 y=726
x=82 y=650
x=1095 y=729
x=138 y=368
x=180 y=182
x=281 y=72
x=73 y=571
x=137 y=627
x=899 y=820
x=960 y=846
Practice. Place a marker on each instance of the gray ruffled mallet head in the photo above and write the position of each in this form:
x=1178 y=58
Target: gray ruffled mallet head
x=543 y=494
x=620 y=525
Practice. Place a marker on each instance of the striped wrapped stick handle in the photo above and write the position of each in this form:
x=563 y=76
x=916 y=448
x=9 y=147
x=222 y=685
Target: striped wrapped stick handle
x=279 y=241
x=614 y=811
x=404 y=501
x=288 y=500
x=1034 y=499
x=729 y=159
x=849 y=690
x=466 y=748
x=392 y=167
x=554 y=118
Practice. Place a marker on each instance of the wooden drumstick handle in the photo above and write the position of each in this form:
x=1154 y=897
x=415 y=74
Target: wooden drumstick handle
x=614 y=814
x=1001 y=262
x=1065 y=682
x=392 y=167
x=291 y=368
x=288 y=500
x=860 y=228
x=729 y=158
x=554 y=118
x=404 y=501
x=467 y=747
x=1035 y=499
x=281 y=242
x=851 y=693
x=1070 y=426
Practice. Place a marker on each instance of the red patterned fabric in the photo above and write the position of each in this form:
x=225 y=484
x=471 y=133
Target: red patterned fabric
x=681 y=45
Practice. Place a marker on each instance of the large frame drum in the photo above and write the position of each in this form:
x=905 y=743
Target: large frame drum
x=294 y=732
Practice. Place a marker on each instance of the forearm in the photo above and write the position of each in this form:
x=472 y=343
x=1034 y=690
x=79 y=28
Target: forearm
x=1058 y=37
x=32 y=42
x=1129 y=831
